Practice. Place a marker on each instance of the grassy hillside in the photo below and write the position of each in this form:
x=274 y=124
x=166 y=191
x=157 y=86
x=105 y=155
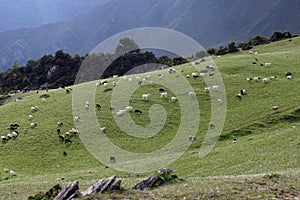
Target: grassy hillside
x=268 y=141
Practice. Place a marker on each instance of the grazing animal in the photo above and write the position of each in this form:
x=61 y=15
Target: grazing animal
x=32 y=125
x=215 y=87
x=15 y=134
x=220 y=101
x=34 y=108
x=288 y=74
x=251 y=52
x=103 y=82
x=274 y=107
x=161 y=89
x=207 y=89
x=102 y=129
x=61 y=137
x=173 y=99
x=30 y=117
x=58 y=131
x=211 y=75
x=128 y=108
x=249 y=79
x=138 y=111
x=163 y=95
x=243 y=92
x=192 y=94
x=6 y=170
x=289 y=77
x=4 y=139
x=273 y=77
x=114 y=83
x=98 y=106
x=115 y=76
x=212 y=125
x=12 y=172
x=13 y=127
x=65 y=153
x=265 y=80
x=211 y=67
x=59 y=180
x=256 y=78
x=234 y=141
x=60 y=123
x=261 y=64
x=238 y=96
x=76 y=118
x=254 y=63
x=145 y=96
x=268 y=64
x=192 y=138
x=187 y=76
x=171 y=70
x=121 y=112
x=195 y=75
x=256 y=59
x=68 y=141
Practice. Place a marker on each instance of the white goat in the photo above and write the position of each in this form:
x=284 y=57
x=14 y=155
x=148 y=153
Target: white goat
x=192 y=94
x=163 y=95
x=173 y=98
x=145 y=96
x=215 y=87
x=268 y=64
x=207 y=89
x=220 y=101
x=265 y=80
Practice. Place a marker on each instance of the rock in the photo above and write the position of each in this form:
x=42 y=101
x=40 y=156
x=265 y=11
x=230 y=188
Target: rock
x=68 y=192
x=104 y=185
x=156 y=179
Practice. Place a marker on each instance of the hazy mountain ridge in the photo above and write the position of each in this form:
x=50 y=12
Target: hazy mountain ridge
x=33 y=13
x=209 y=22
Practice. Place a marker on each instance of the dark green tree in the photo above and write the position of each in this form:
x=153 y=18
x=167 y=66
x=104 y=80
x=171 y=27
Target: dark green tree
x=126 y=45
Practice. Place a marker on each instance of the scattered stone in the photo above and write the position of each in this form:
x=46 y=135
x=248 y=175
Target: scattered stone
x=104 y=185
x=68 y=192
x=160 y=177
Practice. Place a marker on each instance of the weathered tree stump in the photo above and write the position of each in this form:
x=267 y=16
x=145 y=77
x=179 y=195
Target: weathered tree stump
x=156 y=179
x=104 y=185
x=68 y=192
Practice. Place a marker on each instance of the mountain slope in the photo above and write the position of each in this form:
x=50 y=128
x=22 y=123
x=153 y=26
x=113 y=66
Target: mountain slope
x=268 y=141
x=208 y=22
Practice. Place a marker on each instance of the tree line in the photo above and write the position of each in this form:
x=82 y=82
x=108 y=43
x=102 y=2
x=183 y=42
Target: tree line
x=235 y=47
x=61 y=69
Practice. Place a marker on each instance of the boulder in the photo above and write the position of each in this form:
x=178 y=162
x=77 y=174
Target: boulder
x=160 y=177
x=104 y=185
x=68 y=192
